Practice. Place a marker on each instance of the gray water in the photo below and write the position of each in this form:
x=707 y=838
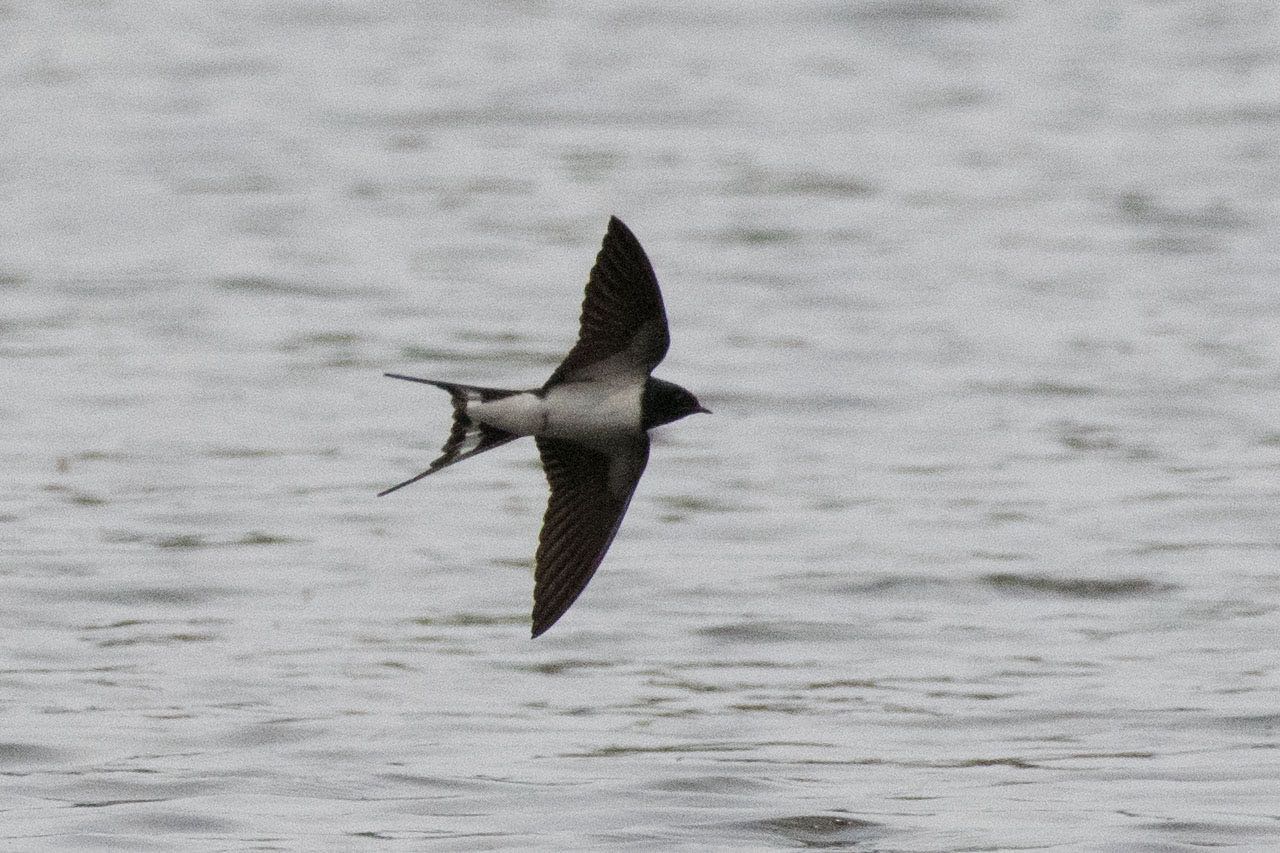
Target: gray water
x=981 y=549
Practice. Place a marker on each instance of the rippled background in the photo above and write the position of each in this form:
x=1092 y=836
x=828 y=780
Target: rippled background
x=979 y=551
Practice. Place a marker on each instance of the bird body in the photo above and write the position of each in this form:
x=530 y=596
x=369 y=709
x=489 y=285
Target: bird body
x=590 y=420
x=597 y=414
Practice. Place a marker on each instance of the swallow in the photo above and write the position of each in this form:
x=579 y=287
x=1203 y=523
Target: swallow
x=590 y=421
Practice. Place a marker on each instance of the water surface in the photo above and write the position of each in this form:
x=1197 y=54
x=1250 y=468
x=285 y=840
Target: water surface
x=979 y=551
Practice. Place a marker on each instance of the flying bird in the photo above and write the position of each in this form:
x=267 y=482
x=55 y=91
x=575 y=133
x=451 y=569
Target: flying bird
x=590 y=420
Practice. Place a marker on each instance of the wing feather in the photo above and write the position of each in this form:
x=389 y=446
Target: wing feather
x=623 y=326
x=590 y=492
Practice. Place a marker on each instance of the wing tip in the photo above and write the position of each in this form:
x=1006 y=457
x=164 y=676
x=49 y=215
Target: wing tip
x=547 y=612
x=542 y=623
x=617 y=226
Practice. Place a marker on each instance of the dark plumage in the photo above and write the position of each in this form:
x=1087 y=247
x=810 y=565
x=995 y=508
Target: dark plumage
x=590 y=420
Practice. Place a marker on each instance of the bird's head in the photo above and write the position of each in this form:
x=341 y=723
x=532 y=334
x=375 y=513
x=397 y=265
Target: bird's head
x=664 y=402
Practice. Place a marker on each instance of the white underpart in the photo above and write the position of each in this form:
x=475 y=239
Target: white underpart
x=471 y=441
x=519 y=413
x=602 y=417
x=474 y=435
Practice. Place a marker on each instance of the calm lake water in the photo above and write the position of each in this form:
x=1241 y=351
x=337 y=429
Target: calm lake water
x=981 y=549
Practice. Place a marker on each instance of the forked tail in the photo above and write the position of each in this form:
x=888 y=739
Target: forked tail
x=467 y=437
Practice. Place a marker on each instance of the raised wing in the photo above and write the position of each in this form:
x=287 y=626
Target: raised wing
x=623 y=328
x=589 y=495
